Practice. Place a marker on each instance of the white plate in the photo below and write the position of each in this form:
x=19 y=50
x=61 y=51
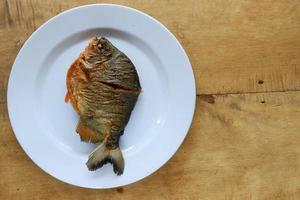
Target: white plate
x=45 y=126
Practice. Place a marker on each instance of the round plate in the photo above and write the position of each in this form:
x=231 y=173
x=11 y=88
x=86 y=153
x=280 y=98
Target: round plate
x=45 y=126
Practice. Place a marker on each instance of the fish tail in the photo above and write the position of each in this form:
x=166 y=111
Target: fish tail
x=102 y=155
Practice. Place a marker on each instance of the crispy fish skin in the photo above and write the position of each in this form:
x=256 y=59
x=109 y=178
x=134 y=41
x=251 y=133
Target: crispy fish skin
x=103 y=87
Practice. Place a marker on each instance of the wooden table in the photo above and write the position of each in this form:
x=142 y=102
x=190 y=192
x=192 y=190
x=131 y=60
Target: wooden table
x=244 y=142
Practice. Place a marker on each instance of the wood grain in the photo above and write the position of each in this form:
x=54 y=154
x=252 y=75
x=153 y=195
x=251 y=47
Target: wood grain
x=243 y=146
x=241 y=41
x=244 y=140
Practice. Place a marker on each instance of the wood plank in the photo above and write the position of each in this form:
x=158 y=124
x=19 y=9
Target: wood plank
x=242 y=146
x=232 y=44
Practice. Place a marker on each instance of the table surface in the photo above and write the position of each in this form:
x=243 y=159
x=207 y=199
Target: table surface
x=244 y=142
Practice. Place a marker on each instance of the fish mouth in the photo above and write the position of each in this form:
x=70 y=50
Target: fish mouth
x=100 y=40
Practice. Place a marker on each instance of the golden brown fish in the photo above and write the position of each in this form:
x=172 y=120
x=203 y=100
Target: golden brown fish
x=103 y=87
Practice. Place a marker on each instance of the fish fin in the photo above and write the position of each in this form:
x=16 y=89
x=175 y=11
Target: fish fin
x=87 y=134
x=69 y=79
x=67 y=98
x=102 y=155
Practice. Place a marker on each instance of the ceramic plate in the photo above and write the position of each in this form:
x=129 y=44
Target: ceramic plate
x=45 y=126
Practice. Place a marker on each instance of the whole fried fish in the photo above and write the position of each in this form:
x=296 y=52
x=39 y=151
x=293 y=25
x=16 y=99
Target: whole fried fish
x=103 y=87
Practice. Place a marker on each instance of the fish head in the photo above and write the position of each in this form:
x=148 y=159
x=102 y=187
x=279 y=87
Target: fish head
x=97 y=52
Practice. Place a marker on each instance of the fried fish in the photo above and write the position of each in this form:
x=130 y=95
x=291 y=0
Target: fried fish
x=103 y=87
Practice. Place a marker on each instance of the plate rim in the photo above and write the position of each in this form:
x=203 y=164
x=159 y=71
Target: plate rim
x=13 y=68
